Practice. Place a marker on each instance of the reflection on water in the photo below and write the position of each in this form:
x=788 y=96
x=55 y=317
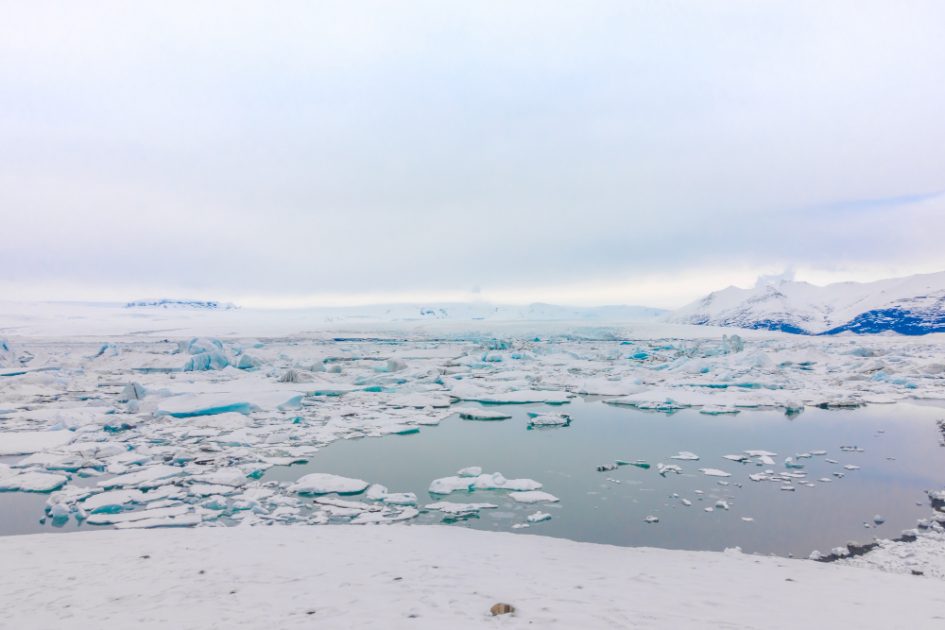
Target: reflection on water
x=901 y=459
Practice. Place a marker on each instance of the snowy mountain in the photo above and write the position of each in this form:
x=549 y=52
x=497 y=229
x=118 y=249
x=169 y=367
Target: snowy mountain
x=203 y=305
x=914 y=305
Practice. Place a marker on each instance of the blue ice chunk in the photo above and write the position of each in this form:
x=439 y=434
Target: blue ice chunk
x=293 y=403
x=239 y=407
x=207 y=354
x=248 y=362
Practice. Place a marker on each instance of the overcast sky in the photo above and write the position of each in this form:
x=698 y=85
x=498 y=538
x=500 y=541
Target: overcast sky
x=583 y=152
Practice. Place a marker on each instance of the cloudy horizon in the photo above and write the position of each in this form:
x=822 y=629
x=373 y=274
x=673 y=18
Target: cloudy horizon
x=613 y=152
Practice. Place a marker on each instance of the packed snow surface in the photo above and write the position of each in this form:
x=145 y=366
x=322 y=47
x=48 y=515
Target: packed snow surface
x=430 y=577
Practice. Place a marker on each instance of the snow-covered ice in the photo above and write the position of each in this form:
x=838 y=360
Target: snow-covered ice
x=26 y=442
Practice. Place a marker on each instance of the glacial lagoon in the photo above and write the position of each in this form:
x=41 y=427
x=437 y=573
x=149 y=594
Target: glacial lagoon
x=886 y=457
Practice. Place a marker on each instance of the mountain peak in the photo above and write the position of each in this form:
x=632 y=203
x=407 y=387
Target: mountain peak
x=910 y=305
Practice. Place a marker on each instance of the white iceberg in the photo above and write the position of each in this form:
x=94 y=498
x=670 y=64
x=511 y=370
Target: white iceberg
x=533 y=496
x=324 y=483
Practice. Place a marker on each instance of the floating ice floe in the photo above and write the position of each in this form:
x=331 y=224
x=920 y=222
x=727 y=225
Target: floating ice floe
x=26 y=442
x=449 y=507
x=30 y=481
x=496 y=481
x=665 y=469
x=641 y=402
x=539 y=420
x=516 y=397
x=468 y=413
x=484 y=481
x=538 y=517
x=714 y=472
x=419 y=401
x=195 y=405
x=533 y=496
x=447 y=485
x=147 y=477
x=718 y=410
x=112 y=501
x=325 y=483
x=400 y=498
x=685 y=456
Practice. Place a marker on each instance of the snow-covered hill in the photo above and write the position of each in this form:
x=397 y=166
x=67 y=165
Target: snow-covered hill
x=913 y=305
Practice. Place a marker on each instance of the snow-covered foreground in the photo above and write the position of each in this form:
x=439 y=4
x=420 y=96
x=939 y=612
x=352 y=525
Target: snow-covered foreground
x=430 y=577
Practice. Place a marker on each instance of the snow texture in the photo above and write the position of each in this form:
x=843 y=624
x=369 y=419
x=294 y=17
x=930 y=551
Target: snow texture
x=430 y=577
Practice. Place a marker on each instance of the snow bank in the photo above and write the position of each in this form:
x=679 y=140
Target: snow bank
x=430 y=577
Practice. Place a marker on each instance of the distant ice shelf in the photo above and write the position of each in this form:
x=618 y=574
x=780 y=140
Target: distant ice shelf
x=167 y=303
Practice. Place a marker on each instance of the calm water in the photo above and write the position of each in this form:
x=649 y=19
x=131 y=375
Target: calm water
x=902 y=458
x=597 y=510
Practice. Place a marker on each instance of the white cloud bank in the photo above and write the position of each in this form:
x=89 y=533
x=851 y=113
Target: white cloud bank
x=601 y=152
